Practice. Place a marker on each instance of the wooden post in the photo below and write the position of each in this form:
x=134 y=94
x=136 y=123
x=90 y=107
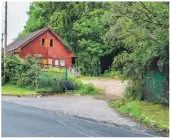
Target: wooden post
x=5 y=38
x=2 y=39
x=5 y=24
x=36 y=77
x=66 y=73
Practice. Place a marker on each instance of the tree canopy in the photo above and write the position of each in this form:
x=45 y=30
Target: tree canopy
x=130 y=32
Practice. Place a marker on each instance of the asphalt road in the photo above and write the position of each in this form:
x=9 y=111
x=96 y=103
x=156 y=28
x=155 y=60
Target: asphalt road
x=23 y=121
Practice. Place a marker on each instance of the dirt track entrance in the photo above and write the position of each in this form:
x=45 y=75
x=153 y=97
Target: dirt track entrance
x=111 y=87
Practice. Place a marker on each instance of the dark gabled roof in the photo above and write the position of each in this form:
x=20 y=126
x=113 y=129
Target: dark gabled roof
x=19 y=42
x=22 y=41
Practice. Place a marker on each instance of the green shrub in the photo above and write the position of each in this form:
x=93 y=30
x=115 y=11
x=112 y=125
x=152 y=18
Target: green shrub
x=49 y=84
x=132 y=108
x=133 y=91
x=30 y=70
x=88 y=64
x=13 y=68
x=27 y=73
x=76 y=83
x=57 y=84
x=43 y=81
x=117 y=103
x=22 y=72
x=87 y=89
x=83 y=89
x=112 y=73
x=54 y=69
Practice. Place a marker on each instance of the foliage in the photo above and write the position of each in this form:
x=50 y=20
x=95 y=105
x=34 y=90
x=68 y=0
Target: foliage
x=134 y=90
x=138 y=26
x=55 y=84
x=53 y=69
x=13 y=68
x=83 y=89
x=27 y=73
x=155 y=115
x=89 y=65
x=117 y=103
x=30 y=71
x=141 y=29
x=22 y=72
x=87 y=89
x=111 y=73
x=80 y=25
x=130 y=32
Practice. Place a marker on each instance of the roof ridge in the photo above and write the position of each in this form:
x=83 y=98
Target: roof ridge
x=21 y=40
x=33 y=32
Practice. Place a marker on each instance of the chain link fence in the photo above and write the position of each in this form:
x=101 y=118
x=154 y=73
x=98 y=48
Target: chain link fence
x=156 y=87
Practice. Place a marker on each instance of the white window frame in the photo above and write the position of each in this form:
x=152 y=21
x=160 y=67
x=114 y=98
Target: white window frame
x=55 y=62
x=62 y=62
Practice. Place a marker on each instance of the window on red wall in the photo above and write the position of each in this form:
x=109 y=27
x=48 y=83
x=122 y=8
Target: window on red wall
x=46 y=42
x=62 y=62
x=50 y=61
x=43 y=41
x=51 y=42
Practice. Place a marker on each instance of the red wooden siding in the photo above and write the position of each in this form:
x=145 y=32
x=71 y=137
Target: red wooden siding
x=58 y=51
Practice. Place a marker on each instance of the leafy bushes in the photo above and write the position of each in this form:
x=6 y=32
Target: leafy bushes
x=88 y=64
x=27 y=73
x=14 y=68
x=133 y=91
x=112 y=73
x=22 y=72
x=55 y=84
x=87 y=89
x=83 y=89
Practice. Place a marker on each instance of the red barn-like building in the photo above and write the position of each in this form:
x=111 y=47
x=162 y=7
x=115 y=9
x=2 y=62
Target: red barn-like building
x=45 y=42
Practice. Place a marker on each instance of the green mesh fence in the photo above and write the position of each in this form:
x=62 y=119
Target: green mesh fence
x=155 y=86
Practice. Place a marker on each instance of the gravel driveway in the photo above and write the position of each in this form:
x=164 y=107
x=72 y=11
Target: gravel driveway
x=112 y=87
x=81 y=106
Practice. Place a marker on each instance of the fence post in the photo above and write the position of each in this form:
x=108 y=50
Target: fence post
x=66 y=74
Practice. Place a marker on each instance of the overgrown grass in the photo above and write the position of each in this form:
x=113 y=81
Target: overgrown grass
x=155 y=115
x=83 y=89
x=52 y=72
x=53 y=69
x=9 y=89
x=52 y=81
x=87 y=89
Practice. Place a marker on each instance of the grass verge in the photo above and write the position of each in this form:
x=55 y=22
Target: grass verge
x=14 y=90
x=154 y=115
x=85 y=89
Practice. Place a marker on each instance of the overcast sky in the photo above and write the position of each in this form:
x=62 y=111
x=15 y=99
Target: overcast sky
x=17 y=18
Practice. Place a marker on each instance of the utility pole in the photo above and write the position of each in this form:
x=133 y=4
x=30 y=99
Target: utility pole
x=5 y=37
x=2 y=39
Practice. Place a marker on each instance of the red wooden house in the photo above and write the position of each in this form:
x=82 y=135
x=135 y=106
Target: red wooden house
x=45 y=42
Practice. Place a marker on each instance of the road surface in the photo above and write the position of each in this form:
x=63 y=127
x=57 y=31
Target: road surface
x=24 y=121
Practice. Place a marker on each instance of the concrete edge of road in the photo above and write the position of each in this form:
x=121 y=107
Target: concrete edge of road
x=130 y=129
x=111 y=123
